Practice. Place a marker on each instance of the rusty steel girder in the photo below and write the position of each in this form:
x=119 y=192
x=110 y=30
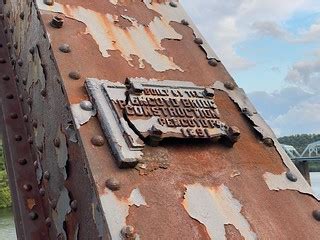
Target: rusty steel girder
x=120 y=122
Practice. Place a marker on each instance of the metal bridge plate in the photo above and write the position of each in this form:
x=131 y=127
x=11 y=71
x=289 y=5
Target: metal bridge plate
x=148 y=111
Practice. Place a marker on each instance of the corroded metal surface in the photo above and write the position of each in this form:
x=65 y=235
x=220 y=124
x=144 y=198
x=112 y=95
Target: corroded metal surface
x=87 y=194
x=28 y=208
x=56 y=165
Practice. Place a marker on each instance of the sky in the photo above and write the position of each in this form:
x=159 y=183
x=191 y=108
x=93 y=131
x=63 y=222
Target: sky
x=272 y=50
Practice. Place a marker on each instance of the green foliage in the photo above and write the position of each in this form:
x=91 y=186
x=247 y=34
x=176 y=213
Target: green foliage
x=5 y=197
x=300 y=142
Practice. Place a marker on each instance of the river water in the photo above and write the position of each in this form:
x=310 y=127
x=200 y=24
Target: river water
x=7 y=231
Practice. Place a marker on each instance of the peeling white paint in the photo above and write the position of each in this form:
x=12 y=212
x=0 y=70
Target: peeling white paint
x=281 y=182
x=61 y=211
x=138 y=40
x=62 y=153
x=81 y=116
x=216 y=208
x=177 y=14
x=136 y=198
x=116 y=210
x=114 y=2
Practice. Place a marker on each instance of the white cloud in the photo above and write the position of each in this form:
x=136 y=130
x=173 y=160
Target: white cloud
x=289 y=111
x=305 y=74
x=274 y=29
x=302 y=118
x=229 y=23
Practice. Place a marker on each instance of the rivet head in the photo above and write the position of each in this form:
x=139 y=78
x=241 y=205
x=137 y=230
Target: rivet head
x=291 y=176
x=9 y=45
x=316 y=215
x=22 y=161
x=247 y=112
x=65 y=48
x=2 y=60
x=24 y=81
x=21 y=15
x=56 y=22
x=128 y=232
x=212 y=62
x=9 y=96
x=13 y=115
x=74 y=205
x=33 y=216
x=155 y=131
x=74 y=75
x=25 y=118
x=229 y=85
x=15 y=45
x=97 y=140
x=46 y=175
x=43 y=93
x=20 y=62
x=48 y=2
x=27 y=187
x=31 y=50
x=5 y=77
x=34 y=124
x=48 y=222
x=184 y=22
x=209 y=93
x=113 y=184
x=18 y=138
x=42 y=192
x=86 y=105
x=198 y=41
x=173 y=4
x=56 y=142
x=268 y=142
x=234 y=133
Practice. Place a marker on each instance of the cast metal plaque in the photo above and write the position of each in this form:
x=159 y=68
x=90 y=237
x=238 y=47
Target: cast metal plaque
x=148 y=111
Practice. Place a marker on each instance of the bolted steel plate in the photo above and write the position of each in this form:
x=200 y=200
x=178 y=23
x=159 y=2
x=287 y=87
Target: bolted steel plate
x=158 y=110
x=148 y=111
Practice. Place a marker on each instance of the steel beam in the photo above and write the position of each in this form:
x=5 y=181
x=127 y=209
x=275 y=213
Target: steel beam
x=186 y=187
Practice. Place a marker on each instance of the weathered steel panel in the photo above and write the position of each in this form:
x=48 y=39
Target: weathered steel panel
x=57 y=164
x=86 y=193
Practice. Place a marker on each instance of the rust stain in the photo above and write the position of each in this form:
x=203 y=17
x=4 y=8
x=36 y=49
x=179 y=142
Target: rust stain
x=31 y=203
x=109 y=36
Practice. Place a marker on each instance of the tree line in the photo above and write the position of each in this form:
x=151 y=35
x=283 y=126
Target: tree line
x=300 y=141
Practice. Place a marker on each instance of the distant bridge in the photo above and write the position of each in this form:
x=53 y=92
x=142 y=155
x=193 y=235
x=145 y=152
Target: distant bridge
x=311 y=152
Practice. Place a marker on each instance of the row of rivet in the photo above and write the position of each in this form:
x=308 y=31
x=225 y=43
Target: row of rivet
x=27 y=187
x=22 y=161
x=267 y=141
